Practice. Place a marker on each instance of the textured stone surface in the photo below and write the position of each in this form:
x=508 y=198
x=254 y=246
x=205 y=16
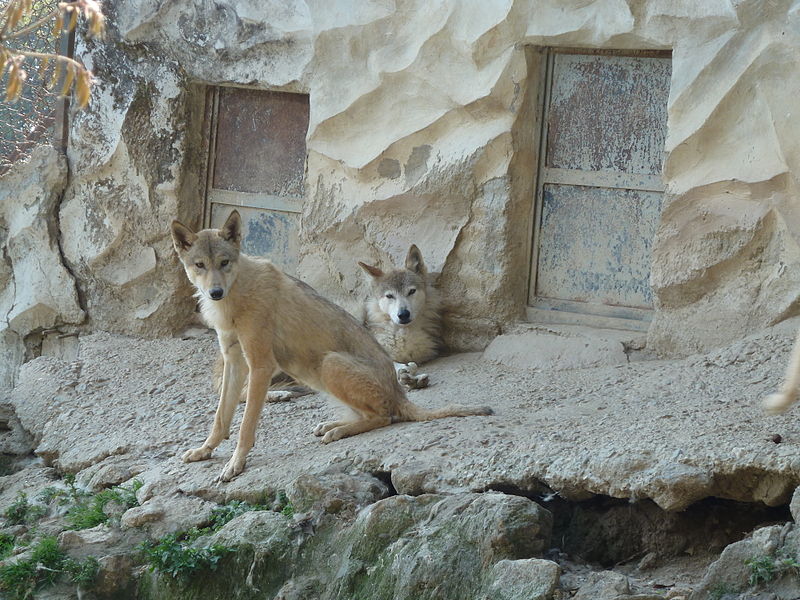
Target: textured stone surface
x=548 y=348
x=683 y=433
x=528 y=579
x=604 y=585
x=422 y=130
x=36 y=291
x=671 y=431
x=734 y=569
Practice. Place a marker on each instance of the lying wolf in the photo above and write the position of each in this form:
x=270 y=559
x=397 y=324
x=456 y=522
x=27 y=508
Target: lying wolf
x=403 y=312
x=267 y=321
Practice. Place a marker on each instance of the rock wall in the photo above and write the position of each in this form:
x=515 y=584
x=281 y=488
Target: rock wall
x=36 y=292
x=422 y=121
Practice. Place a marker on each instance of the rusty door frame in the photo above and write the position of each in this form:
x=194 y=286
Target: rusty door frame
x=565 y=311
x=212 y=195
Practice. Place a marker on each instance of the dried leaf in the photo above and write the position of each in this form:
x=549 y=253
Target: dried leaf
x=68 y=79
x=43 y=64
x=16 y=81
x=55 y=75
x=73 y=20
x=58 y=27
x=15 y=13
x=82 y=88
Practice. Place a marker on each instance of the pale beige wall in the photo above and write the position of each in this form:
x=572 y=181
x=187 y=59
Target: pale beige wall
x=421 y=126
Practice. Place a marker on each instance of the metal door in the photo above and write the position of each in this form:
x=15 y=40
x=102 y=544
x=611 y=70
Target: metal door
x=257 y=164
x=599 y=186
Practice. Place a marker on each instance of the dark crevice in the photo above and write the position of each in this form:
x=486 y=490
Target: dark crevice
x=611 y=531
x=539 y=492
x=385 y=477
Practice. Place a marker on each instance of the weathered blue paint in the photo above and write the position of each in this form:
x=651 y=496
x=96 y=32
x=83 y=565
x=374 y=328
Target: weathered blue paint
x=266 y=233
x=606 y=126
x=596 y=245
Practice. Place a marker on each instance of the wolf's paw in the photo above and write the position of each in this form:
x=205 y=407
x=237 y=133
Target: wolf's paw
x=280 y=396
x=407 y=376
x=332 y=436
x=201 y=453
x=234 y=467
x=413 y=382
x=324 y=427
x=777 y=403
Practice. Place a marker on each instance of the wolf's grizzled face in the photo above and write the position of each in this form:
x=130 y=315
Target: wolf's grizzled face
x=400 y=293
x=209 y=256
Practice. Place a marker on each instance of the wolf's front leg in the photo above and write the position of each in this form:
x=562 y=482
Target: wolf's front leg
x=232 y=380
x=257 y=384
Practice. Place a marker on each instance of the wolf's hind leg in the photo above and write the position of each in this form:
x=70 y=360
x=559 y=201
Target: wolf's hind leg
x=358 y=386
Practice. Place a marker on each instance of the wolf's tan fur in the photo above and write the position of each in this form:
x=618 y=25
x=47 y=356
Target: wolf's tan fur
x=267 y=321
x=779 y=402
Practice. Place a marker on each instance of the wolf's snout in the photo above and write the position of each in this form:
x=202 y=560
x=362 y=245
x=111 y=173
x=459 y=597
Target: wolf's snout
x=216 y=293
x=404 y=316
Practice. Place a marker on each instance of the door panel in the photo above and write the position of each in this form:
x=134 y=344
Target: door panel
x=595 y=245
x=599 y=188
x=257 y=165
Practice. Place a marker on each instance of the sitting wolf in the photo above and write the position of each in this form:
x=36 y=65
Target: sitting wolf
x=403 y=312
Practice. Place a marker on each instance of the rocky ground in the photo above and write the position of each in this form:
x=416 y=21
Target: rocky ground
x=647 y=471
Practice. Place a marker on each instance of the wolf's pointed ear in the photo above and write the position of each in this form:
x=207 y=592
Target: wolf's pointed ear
x=371 y=271
x=414 y=260
x=231 y=230
x=182 y=236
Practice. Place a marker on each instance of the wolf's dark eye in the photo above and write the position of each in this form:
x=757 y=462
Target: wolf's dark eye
x=200 y=265
x=411 y=291
x=224 y=263
x=390 y=296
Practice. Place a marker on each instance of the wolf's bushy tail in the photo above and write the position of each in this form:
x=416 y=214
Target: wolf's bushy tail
x=408 y=411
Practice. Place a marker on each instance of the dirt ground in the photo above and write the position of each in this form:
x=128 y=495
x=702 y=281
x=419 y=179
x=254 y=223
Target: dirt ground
x=675 y=432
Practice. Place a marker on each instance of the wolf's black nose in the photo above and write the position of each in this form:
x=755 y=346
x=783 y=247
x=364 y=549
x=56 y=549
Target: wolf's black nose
x=216 y=293
x=404 y=316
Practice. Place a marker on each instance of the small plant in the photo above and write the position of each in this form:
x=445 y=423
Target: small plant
x=174 y=555
x=46 y=565
x=7 y=543
x=288 y=510
x=21 y=511
x=283 y=505
x=222 y=515
x=762 y=569
x=89 y=510
x=720 y=590
x=48 y=494
x=82 y=572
